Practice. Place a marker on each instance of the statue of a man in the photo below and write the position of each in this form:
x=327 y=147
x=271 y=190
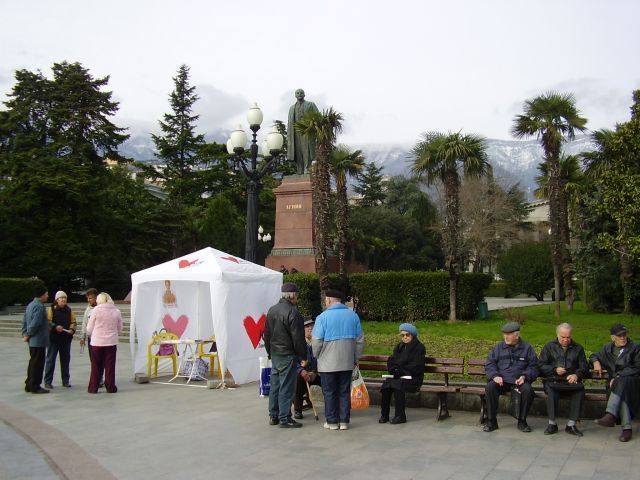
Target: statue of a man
x=300 y=148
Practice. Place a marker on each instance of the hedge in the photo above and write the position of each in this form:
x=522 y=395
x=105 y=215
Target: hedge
x=394 y=296
x=499 y=288
x=18 y=290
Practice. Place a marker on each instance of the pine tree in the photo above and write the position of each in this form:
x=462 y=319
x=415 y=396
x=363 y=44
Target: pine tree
x=370 y=186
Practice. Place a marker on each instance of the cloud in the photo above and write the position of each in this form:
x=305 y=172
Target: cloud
x=217 y=109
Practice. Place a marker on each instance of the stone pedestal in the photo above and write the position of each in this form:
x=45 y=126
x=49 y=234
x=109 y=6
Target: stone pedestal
x=293 y=237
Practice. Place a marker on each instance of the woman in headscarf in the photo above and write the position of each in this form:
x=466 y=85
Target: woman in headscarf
x=406 y=364
x=104 y=328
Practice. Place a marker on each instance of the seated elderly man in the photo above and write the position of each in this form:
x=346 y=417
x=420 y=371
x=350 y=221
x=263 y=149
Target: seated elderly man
x=511 y=365
x=621 y=359
x=563 y=365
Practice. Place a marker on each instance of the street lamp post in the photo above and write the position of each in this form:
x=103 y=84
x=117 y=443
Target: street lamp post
x=248 y=165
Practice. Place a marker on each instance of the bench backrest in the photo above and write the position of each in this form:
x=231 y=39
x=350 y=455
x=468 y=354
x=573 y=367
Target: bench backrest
x=475 y=367
x=444 y=366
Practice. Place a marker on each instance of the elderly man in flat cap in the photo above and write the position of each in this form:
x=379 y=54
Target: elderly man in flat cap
x=337 y=341
x=621 y=360
x=511 y=365
x=285 y=344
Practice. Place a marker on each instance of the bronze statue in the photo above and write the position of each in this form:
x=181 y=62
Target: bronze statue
x=300 y=149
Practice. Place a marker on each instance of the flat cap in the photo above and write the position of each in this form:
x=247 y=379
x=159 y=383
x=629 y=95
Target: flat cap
x=617 y=329
x=335 y=294
x=511 y=327
x=289 y=288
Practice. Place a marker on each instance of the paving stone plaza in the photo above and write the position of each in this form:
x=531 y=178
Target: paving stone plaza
x=171 y=431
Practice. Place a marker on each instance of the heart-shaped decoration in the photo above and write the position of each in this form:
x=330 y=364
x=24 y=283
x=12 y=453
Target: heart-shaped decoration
x=254 y=329
x=175 y=326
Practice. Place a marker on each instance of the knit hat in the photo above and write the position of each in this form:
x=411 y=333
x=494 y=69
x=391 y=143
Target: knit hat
x=289 y=288
x=409 y=328
x=335 y=294
x=60 y=294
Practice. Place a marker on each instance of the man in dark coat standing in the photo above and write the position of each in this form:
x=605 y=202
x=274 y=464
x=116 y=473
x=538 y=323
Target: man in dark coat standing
x=511 y=365
x=621 y=360
x=35 y=332
x=285 y=344
x=563 y=365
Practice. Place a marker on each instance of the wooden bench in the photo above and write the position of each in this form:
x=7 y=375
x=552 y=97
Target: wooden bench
x=442 y=366
x=475 y=368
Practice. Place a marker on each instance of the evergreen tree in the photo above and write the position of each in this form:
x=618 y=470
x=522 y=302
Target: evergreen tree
x=54 y=137
x=180 y=149
x=370 y=186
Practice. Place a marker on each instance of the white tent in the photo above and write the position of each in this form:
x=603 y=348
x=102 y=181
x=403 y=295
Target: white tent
x=201 y=294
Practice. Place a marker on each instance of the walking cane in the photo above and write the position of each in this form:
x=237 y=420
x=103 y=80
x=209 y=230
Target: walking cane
x=313 y=405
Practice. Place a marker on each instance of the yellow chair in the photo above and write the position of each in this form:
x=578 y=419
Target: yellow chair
x=212 y=356
x=157 y=339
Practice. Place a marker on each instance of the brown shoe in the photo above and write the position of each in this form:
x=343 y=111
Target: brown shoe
x=607 y=421
x=625 y=436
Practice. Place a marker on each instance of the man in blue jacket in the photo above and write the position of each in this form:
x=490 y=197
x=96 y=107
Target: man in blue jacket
x=337 y=341
x=35 y=332
x=511 y=365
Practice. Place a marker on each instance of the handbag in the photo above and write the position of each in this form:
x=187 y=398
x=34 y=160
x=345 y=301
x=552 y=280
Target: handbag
x=199 y=371
x=359 y=393
x=165 y=349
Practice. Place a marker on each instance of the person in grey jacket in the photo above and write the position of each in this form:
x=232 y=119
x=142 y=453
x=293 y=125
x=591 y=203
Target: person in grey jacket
x=35 y=332
x=337 y=341
x=285 y=344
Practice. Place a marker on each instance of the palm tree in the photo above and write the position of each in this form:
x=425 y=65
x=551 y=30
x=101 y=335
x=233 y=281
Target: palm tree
x=443 y=157
x=553 y=118
x=344 y=161
x=324 y=128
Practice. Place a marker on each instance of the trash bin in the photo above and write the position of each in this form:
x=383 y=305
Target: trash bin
x=483 y=310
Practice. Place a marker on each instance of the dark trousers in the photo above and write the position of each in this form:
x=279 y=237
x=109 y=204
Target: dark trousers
x=493 y=392
x=301 y=392
x=63 y=349
x=36 y=368
x=574 y=390
x=336 y=387
x=399 y=400
x=103 y=363
x=283 y=385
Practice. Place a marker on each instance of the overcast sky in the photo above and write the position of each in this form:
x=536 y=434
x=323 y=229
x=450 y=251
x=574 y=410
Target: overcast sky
x=394 y=69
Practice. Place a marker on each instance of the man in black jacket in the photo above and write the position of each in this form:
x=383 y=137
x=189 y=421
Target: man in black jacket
x=285 y=344
x=563 y=365
x=621 y=360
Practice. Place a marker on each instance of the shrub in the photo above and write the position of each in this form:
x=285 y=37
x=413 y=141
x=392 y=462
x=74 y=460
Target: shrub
x=527 y=268
x=412 y=296
x=499 y=288
x=18 y=290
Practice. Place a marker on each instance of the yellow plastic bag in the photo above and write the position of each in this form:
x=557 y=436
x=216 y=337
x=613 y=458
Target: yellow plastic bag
x=359 y=393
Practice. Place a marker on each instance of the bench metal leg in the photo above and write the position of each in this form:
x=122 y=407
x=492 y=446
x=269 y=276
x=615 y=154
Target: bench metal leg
x=443 y=411
x=483 y=410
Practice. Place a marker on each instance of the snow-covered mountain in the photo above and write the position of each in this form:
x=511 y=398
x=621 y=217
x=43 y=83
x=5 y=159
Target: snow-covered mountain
x=512 y=160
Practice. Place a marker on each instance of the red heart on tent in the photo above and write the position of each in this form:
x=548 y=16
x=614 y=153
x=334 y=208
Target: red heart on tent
x=254 y=329
x=175 y=326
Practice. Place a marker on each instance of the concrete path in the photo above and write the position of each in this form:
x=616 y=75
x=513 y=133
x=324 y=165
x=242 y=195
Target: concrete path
x=167 y=432
x=498 y=303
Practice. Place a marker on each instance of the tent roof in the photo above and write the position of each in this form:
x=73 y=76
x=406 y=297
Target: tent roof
x=203 y=265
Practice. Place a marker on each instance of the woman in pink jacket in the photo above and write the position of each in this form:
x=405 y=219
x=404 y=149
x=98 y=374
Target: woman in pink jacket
x=105 y=325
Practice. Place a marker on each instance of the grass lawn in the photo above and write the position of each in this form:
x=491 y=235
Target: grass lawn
x=475 y=338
